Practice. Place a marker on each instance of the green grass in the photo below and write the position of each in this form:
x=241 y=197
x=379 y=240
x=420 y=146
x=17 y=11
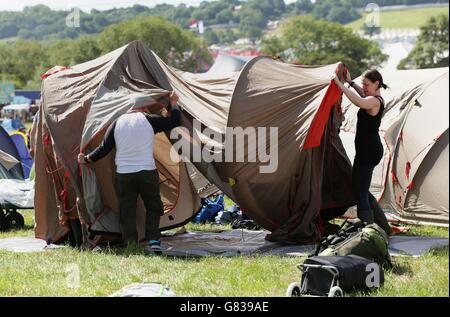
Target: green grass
x=103 y=273
x=402 y=19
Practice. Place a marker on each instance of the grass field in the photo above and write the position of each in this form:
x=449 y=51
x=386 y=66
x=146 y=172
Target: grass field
x=103 y=273
x=403 y=19
x=8 y=40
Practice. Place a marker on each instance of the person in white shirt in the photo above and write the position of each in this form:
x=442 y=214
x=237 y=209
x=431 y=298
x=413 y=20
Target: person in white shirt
x=133 y=135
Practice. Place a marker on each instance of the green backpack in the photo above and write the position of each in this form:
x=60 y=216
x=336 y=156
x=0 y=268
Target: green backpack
x=368 y=241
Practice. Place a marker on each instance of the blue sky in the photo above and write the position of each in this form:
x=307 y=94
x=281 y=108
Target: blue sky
x=87 y=5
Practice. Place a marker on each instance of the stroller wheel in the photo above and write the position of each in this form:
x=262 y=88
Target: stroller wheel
x=294 y=290
x=14 y=220
x=336 y=291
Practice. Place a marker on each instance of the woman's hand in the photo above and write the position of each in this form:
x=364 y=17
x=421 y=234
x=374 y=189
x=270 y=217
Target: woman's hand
x=173 y=98
x=81 y=159
x=348 y=77
x=336 y=79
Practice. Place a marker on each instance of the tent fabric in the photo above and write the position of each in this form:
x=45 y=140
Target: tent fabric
x=412 y=178
x=7 y=161
x=79 y=103
x=7 y=164
x=20 y=140
x=8 y=147
x=225 y=65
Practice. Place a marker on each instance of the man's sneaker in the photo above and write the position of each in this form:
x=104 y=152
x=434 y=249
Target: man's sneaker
x=154 y=246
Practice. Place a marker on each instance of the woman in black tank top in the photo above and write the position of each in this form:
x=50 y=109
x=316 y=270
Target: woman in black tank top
x=369 y=149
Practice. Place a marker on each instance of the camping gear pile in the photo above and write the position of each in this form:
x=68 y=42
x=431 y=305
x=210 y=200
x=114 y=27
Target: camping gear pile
x=345 y=262
x=209 y=210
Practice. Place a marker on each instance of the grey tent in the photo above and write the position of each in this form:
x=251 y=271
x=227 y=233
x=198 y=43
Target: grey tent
x=311 y=179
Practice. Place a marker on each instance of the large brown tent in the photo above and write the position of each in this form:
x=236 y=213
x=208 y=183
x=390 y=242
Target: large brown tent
x=80 y=102
x=412 y=179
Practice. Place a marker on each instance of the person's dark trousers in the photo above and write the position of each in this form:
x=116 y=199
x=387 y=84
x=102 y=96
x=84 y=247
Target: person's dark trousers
x=379 y=215
x=368 y=209
x=129 y=187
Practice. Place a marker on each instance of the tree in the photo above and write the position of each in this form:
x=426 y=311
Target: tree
x=18 y=61
x=211 y=37
x=227 y=36
x=335 y=11
x=310 y=42
x=271 y=9
x=252 y=22
x=301 y=7
x=431 y=49
x=176 y=46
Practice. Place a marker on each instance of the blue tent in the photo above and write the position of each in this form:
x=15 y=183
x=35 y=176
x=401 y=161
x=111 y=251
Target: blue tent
x=7 y=145
x=21 y=100
x=12 y=124
x=20 y=141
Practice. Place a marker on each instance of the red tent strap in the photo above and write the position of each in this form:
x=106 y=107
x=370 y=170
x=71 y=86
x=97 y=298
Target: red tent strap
x=53 y=70
x=63 y=193
x=407 y=169
x=63 y=196
x=400 y=137
x=394 y=178
x=320 y=120
x=411 y=185
x=46 y=139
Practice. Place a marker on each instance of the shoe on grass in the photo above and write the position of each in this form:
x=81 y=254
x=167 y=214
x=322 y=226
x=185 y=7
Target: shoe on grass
x=154 y=246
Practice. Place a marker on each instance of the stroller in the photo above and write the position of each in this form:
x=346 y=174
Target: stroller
x=14 y=195
x=333 y=275
x=10 y=218
x=303 y=288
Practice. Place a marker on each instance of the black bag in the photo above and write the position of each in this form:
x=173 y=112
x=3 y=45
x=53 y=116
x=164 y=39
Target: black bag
x=350 y=273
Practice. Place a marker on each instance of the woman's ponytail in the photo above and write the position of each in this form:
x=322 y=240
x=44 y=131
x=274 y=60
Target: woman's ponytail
x=373 y=75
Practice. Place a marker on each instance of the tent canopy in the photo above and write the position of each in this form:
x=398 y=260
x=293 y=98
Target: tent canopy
x=311 y=173
x=8 y=147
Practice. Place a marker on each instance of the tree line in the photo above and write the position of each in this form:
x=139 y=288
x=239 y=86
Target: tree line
x=23 y=61
x=302 y=40
x=41 y=23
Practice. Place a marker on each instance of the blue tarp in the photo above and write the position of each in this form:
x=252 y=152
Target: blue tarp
x=12 y=125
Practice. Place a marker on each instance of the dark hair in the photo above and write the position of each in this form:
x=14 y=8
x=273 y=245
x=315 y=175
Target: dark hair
x=373 y=75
